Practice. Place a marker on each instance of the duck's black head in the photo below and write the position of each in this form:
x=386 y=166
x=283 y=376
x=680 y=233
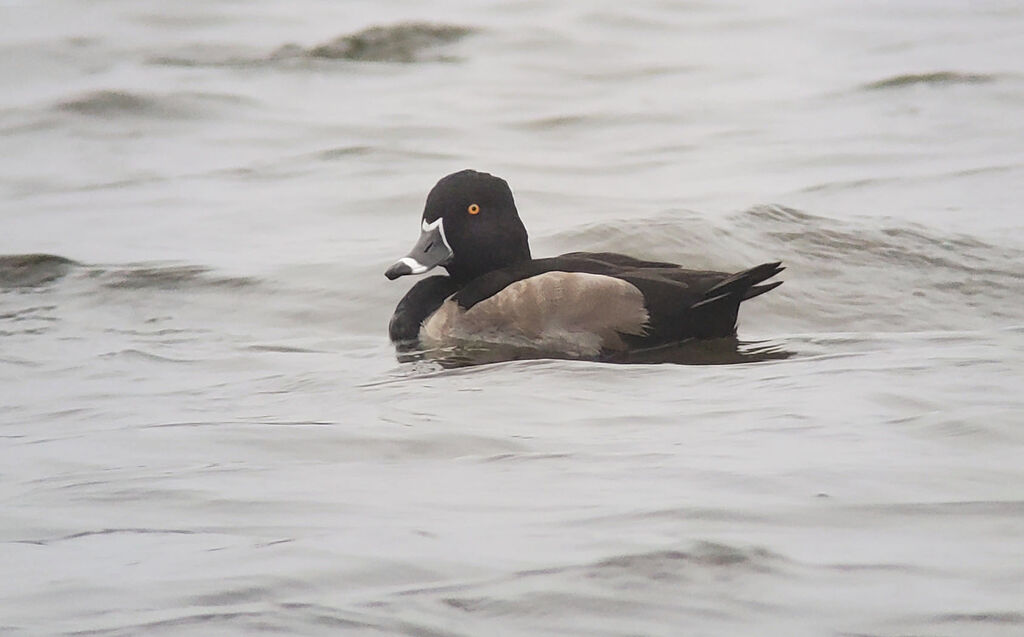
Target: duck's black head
x=470 y=226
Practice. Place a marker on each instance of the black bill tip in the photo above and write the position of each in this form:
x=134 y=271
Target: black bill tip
x=398 y=269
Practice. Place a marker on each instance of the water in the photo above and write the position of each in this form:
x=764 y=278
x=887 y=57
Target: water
x=203 y=428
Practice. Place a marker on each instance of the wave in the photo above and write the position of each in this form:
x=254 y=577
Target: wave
x=717 y=351
x=903 y=245
x=116 y=103
x=32 y=270
x=35 y=270
x=404 y=42
x=138 y=355
x=933 y=78
x=841 y=275
x=169 y=277
x=703 y=554
x=709 y=575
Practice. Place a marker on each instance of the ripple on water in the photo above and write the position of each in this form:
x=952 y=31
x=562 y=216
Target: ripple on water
x=169 y=277
x=842 y=276
x=604 y=595
x=936 y=78
x=717 y=351
x=404 y=43
x=31 y=270
x=119 y=104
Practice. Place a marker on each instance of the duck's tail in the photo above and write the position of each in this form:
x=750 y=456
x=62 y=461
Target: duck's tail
x=743 y=285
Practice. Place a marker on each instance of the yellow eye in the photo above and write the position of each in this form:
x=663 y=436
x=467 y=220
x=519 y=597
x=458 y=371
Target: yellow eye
x=473 y=209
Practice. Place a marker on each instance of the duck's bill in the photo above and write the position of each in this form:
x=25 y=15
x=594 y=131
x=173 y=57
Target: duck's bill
x=430 y=251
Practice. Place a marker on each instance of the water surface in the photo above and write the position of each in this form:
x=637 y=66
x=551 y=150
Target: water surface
x=203 y=428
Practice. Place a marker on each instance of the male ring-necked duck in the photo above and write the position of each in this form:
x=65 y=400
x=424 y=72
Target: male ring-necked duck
x=580 y=304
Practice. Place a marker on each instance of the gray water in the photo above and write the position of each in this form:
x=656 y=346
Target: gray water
x=203 y=427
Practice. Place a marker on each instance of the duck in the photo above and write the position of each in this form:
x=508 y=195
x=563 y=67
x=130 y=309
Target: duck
x=590 y=305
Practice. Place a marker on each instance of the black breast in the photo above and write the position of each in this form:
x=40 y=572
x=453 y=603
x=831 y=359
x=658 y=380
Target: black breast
x=420 y=301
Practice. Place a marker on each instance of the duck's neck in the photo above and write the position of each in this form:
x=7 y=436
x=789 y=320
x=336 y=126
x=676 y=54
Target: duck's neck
x=462 y=271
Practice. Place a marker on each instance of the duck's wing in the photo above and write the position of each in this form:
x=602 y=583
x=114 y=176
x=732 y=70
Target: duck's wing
x=618 y=260
x=690 y=303
x=680 y=303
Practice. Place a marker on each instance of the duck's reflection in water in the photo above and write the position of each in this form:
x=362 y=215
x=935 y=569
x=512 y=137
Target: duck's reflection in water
x=711 y=351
